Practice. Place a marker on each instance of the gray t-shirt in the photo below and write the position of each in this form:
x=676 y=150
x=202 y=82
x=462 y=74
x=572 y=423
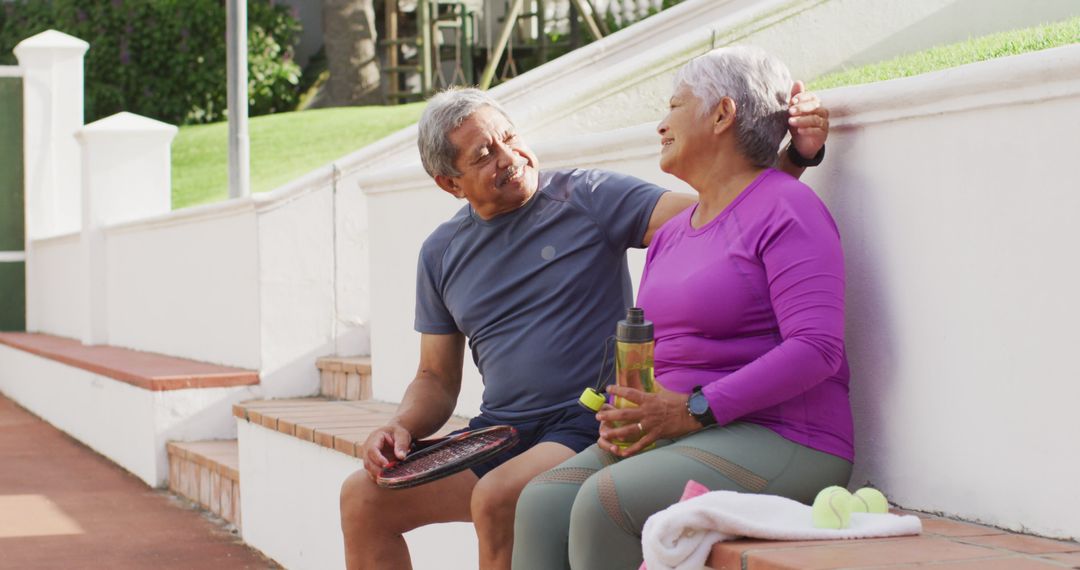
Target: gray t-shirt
x=538 y=289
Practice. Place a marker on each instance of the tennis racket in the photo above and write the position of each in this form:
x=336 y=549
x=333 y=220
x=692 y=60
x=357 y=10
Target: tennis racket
x=431 y=459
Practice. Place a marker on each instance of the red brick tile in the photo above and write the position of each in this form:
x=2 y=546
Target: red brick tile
x=204 y=486
x=345 y=445
x=156 y=372
x=237 y=514
x=326 y=381
x=329 y=364
x=729 y=555
x=269 y=422
x=858 y=553
x=1022 y=543
x=215 y=492
x=352 y=386
x=1011 y=563
x=254 y=415
x=227 y=502
x=1069 y=558
x=305 y=433
x=946 y=527
x=366 y=390
x=340 y=379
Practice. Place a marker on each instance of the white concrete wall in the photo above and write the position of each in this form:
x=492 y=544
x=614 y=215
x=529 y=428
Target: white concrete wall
x=289 y=500
x=187 y=285
x=129 y=425
x=296 y=289
x=55 y=297
x=956 y=199
x=955 y=196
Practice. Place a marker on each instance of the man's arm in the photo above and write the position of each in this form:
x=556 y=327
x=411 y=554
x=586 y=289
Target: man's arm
x=809 y=126
x=669 y=204
x=427 y=404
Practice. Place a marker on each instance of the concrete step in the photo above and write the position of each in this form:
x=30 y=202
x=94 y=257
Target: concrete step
x=207 y=473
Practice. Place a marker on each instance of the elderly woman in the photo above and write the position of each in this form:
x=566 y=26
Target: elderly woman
x=746 y=291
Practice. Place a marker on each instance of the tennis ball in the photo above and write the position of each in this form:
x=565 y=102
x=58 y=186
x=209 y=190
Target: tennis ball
x=832 y=508
x=869 y=500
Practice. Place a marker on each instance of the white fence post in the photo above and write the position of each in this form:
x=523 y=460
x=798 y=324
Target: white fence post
x=125 y=176
x=52 y=63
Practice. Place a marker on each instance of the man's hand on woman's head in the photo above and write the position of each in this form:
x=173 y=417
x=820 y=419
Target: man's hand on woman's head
x=661 y=415
x=388 y=443
x=808 y=121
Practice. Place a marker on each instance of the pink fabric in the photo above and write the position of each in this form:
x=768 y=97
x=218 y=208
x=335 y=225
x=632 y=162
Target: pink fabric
x=692 y=489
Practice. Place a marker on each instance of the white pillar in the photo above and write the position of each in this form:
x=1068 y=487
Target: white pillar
x=52 y=65
x=126 y=169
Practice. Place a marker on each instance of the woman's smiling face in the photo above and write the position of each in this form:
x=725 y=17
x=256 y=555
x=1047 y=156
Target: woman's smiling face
x=686 y=133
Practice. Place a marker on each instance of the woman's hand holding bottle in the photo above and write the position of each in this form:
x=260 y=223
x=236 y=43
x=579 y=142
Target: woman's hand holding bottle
x=659 y=415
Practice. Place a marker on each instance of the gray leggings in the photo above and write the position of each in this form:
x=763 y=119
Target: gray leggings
x=588 y=512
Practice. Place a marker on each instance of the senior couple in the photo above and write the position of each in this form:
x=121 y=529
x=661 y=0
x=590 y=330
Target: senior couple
x=745 y=286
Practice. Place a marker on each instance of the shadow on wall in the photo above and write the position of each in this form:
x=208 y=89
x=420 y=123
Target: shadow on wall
x=870 y=331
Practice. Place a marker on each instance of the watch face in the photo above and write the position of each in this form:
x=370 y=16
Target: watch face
x=698 y=404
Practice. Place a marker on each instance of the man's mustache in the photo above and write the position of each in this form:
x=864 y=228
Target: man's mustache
x=509 y=173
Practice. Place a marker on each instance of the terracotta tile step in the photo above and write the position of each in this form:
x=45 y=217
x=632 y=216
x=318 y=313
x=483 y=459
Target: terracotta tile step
x=345 y=377
x=145 y=370
x=945 y=544
x=339 y=425
x=207 y=473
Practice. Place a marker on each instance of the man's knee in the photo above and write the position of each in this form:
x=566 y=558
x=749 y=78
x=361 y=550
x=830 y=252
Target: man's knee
x=359 y=498
x=494 y=496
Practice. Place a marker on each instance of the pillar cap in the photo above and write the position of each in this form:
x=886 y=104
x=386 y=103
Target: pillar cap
x=50 y=41
x=126 y=123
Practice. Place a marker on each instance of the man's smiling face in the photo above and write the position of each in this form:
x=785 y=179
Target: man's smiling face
x=499 y=173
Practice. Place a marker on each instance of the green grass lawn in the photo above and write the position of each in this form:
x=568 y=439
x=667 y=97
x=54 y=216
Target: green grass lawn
x=283 y=147
x=977 y=49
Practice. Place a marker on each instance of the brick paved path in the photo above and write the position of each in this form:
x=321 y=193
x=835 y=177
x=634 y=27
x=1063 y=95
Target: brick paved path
x=64 y=506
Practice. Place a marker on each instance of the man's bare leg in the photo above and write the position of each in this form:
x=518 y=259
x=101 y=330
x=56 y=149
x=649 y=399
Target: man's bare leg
x=373 y=519
x=494 y=500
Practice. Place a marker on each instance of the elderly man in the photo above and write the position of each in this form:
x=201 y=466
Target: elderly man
x=532 y=272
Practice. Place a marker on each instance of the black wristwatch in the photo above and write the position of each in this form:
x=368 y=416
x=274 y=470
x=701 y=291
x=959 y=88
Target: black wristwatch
x=798 y=160
x=699 y=409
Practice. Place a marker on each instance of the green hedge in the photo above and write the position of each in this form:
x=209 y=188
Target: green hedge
x=164 y=58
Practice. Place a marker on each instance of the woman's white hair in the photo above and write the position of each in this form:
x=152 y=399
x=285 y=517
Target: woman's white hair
x=760 y=85
x=445 y=112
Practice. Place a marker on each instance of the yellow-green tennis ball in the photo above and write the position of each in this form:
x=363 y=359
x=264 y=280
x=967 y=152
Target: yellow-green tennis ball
x=869 y=500
x=832 y=508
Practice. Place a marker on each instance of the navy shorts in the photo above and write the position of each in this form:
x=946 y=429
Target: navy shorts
x=573 y=426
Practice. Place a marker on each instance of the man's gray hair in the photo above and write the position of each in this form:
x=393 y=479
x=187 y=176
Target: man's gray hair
x=760 y=85
x=445 y=112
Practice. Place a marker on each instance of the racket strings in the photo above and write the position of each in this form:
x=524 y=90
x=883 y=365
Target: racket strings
x=448 y=454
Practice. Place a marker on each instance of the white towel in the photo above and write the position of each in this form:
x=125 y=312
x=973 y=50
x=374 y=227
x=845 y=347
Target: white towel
x=681 y=536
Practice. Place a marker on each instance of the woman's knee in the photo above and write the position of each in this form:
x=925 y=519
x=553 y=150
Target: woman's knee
x=542 y=520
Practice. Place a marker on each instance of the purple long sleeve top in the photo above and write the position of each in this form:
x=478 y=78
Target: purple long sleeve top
x=751 y=307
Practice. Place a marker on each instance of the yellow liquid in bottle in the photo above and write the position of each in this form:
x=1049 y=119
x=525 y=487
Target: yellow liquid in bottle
x=633 y=369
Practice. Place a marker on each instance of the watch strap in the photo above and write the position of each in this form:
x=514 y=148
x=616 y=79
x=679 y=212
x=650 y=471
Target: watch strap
x=798 y=159
x=705 y=418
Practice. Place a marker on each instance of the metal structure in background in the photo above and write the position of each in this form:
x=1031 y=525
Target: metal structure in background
x=428 y=54
x=12 y=225
x=433 y=44
x=236 y=62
